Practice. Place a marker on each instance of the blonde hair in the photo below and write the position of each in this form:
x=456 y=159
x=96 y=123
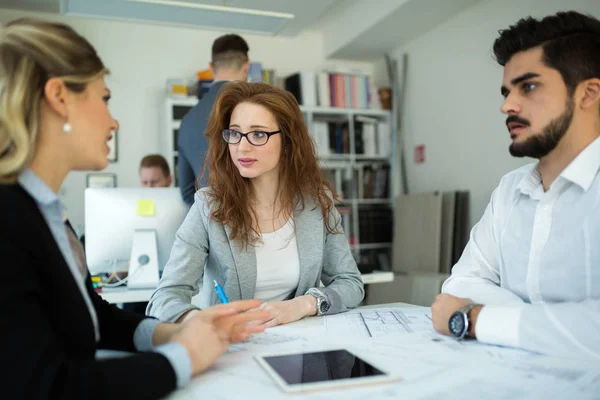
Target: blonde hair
x=31 y=52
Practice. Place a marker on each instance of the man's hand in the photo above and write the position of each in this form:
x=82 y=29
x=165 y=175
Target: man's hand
x=444 y=306
x=283 y=312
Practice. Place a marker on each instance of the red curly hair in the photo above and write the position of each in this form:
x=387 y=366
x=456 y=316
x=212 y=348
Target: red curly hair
x=300 y=177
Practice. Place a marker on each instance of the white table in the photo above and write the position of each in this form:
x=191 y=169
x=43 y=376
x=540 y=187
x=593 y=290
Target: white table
x=432 y=367
x=126 y=295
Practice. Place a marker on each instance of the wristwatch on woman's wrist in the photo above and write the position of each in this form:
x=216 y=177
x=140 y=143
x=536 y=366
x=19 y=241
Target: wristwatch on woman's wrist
x=322 y=301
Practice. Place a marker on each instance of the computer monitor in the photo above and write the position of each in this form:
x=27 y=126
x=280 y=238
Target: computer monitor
x=132 y=229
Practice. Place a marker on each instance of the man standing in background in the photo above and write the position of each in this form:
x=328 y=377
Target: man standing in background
x=155 y=171
x=229 y=62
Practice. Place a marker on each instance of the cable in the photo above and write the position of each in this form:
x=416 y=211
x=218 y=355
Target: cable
x=114 y=275
x=120 y=281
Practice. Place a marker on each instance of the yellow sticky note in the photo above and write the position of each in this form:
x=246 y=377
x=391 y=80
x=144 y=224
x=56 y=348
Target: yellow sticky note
x=145 y=208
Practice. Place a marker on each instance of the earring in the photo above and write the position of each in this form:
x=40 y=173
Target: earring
x=67 y=128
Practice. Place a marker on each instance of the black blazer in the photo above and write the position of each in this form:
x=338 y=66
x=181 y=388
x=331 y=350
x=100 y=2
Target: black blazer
x=192 y=144
x=47 y=335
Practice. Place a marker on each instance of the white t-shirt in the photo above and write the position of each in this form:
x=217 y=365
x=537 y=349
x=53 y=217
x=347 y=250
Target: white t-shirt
x=277 y=264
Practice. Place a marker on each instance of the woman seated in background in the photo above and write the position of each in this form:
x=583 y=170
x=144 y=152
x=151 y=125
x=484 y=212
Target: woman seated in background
x=54 y=119
x=266 y=226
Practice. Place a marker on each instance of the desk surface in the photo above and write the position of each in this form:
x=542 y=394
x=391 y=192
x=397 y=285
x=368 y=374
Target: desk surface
x=125 y=295
x=431 y=366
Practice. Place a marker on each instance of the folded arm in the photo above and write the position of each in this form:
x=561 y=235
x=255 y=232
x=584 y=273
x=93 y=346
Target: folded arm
x=477 y=274
x=563 y=329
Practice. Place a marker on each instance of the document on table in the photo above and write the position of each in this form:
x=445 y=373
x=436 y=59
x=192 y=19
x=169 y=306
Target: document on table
x=401 y=341
x=377 y=323
x=366 y=323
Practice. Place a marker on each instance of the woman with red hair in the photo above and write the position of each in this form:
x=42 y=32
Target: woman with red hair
x=266 y=227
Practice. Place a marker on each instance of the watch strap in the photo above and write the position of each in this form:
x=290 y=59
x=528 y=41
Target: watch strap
x=467 y=311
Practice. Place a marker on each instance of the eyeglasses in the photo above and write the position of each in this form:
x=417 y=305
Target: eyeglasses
x=255 y=138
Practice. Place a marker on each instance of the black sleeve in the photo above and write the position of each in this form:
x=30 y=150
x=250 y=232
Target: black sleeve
x=117 y=327
x=34 y=348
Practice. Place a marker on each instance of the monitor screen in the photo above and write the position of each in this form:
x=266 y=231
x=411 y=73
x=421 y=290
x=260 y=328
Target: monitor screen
x=112 y=215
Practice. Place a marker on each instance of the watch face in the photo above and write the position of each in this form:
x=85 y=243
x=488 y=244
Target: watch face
x=457 y=324
x=324 y=306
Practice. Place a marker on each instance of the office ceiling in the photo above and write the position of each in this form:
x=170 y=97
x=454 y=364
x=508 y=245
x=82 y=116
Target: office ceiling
x=352 y=29
x=357 y=30
x=214 y=14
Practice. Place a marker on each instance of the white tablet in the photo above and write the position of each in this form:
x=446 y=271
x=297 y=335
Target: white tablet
x=299 y=372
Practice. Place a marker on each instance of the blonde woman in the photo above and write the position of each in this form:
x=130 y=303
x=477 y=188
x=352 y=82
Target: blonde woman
x=54 y=118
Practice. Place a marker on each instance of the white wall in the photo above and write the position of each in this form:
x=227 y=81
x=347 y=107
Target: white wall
x=453 y=99
x=141 y=57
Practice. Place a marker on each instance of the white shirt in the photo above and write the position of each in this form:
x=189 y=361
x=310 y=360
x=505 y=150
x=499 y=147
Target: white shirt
x=277 y=264
x=534 y=261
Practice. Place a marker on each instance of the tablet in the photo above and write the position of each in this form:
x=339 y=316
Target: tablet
x=331 y=369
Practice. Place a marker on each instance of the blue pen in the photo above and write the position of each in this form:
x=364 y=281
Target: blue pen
x=221 y=293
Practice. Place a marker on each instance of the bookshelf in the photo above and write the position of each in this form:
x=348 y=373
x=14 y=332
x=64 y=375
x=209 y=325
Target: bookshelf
x=367 y=213
x=354 y=149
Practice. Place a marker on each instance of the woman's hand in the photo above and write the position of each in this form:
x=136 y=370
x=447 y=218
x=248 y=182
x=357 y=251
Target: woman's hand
x=202 y=341
x=228 y=320
x=206 y=334
x=283 y=312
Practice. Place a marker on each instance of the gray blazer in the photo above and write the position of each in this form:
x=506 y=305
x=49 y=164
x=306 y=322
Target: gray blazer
x=202 y=252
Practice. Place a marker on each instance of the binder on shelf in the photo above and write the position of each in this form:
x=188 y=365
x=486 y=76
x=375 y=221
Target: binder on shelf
x=461 y=224
x=323 y=90
x=321 y=135
x=303 y=86
x=384 y=139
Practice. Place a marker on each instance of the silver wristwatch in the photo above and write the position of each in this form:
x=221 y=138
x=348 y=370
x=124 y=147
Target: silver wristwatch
x=322 y=301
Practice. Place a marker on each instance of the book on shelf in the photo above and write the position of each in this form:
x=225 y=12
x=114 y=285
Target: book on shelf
x=374 y=260
x=375 y=224
x=268 y=76
x=303 y=86
x=372 y=136
x=323 y=90
x=350 y=183
x=330 y=89
x=375 y=178
x=337 y=137
x=320 y=132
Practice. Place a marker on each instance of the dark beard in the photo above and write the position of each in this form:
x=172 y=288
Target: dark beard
x=539 y=145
